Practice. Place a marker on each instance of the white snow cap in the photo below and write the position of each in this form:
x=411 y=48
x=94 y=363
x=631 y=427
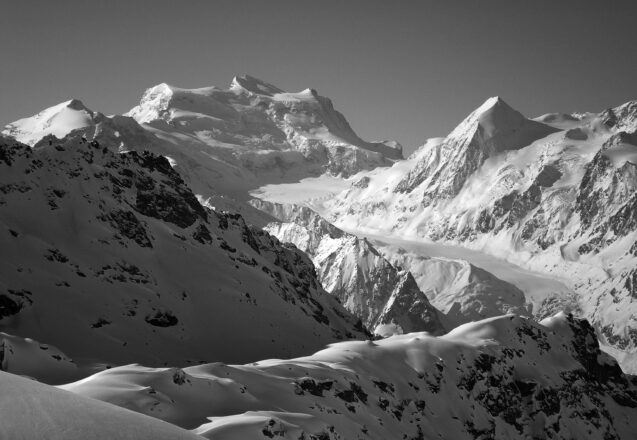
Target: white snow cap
x=254 y=85
x=58 y=120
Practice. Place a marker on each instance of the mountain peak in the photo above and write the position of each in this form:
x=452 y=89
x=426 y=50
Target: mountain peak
x=254 y=85
x=492 y=102
x=76 y=104
x=497 y=119
x=58 y=120
x=490 y=129
x=496 y=107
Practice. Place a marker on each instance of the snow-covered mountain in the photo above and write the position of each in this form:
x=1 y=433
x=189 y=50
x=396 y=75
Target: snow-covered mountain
x=491 y=129
x=226 y=143
x=62 y=119
x=385 y=297
x=111 y=258
x=252 y=134
x=263 y=126
x=112 y=255
x=504 y=377
x=556 y=195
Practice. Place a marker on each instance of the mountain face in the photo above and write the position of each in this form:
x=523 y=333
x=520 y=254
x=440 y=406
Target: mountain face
x=387 y=299
x=491 y=129
x=504 y=377
x=111 y=258
x=263 y=129
x=559 y=200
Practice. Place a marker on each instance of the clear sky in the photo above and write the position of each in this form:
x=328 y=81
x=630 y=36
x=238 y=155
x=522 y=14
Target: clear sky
x=404 y=70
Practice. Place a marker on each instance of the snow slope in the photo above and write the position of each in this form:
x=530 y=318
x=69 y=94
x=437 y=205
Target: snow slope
x=500 y=378
x=27 y=357
x=111 y=258
x=31 y=410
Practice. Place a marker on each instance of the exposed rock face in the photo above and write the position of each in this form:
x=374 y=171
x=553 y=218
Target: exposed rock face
x=560 y=200
x=504 y=377
x=102 y=252
x=351 y=269
x=408 y=309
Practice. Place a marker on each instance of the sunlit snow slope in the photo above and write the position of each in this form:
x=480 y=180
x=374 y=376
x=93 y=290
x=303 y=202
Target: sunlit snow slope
x=504 y=377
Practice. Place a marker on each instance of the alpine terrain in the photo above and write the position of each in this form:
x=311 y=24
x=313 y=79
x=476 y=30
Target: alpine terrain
x=239 y=264
x=555 y=195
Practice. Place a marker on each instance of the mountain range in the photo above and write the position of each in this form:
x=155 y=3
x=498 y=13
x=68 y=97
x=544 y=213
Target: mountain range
x=472 y=280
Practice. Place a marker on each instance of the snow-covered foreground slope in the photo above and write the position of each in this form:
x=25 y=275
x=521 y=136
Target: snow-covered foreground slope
x=500 y=378
x=558 y=198
x=31 y=410
x=110 y=257
x=31 y=358
x=387 y=299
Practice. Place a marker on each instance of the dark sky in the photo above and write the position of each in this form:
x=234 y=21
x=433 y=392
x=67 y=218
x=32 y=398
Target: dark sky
x=404 y=70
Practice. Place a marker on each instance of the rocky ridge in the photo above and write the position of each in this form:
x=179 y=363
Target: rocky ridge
x=111 y=258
